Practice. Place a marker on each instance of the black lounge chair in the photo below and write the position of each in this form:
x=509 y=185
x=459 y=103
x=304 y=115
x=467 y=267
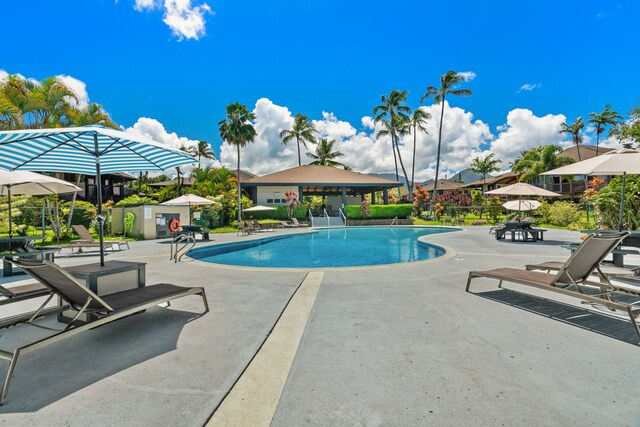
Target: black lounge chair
x=102 y=309
x=573 y=278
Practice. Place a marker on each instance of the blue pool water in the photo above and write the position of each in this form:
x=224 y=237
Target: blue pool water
x=336 y=247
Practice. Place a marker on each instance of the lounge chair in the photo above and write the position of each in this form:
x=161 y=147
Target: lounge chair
x=86 y=237
x=245 y=228
x=22 y=292
x=572 y=279
x=285 y=224
x=631 y=275
x=297 y=224
x=103 y=309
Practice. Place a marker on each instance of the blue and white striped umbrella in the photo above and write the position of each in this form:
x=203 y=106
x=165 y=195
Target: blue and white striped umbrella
x=72 y=150
x=88 y=150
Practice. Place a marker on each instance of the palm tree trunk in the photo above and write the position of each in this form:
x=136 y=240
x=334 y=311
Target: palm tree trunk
x=597 y=139
x=435 y=184
x=395 y=159
x=404 y=171
x=413 y=165
x=239 y=190
x=578 y=148
x=299 y=159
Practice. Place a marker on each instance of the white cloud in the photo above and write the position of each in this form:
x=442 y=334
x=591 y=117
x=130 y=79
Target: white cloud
x=151 y=128
x=78 y=87
x=363 y=150
x=141 y=5
x=528 y=87
x=3 y=75
x=467 y=75
x=185 y=20
x=523 y=131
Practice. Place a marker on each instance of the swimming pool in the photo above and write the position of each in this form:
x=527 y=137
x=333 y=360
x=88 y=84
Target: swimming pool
x=332 y=247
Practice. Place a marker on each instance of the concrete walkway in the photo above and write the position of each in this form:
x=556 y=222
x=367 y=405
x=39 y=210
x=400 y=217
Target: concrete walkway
x=397 y=345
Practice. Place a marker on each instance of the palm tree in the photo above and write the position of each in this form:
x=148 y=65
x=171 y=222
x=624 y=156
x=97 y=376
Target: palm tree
x=540 y=159
x=606 y=117
x=203 y=149
x=484 y=167
x=393 y=114
x=302 y=131
x=236 y=129
x=416 y=122
x=325 y=156
x=574 y=130
x=447 y=83
x=92 y=114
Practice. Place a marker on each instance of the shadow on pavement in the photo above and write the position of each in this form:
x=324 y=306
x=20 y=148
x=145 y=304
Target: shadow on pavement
x=602 y=324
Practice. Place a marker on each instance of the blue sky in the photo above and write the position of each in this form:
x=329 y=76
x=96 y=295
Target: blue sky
x=329 y=56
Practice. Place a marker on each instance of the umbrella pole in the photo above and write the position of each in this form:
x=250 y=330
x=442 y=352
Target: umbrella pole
x=621 y=223
x=99 y=185
x=9 y=206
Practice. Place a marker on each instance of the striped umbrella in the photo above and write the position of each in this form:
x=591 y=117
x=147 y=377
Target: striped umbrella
x=87 y=150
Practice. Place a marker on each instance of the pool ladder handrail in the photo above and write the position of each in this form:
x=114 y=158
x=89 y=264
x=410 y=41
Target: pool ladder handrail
x=326 y=215
x=187 y=241
x=344 y=217
x=310 y=215
x=394 y=222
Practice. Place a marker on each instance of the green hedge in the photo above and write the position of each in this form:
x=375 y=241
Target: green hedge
x=280 y=213
x=380 y=211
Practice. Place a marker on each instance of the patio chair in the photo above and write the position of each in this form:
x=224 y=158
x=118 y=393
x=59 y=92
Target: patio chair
x=285 y=224
x=22 y=292
x=572 y=279
x=86 y=237
x=631 y=275
x=297 y=224
x=104 y=309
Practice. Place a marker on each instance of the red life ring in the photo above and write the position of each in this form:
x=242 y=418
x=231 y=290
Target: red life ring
x=174 y=225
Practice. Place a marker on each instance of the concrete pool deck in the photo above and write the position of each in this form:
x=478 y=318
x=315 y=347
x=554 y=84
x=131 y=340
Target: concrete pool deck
x=397 y=345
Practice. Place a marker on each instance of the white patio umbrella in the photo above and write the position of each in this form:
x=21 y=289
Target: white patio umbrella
x=618 y=162
x=188 y=200
x=258 y=208
x=87 y=150
x=522 y=205
x=522 y=189
x=35 y=184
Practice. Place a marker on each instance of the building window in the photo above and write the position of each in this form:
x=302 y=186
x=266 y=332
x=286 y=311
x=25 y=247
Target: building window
x=270 y=201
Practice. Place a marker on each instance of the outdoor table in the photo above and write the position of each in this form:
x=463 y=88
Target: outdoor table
x=523 y=228
x=22 y=246
x=632 y=240
x=114 y=276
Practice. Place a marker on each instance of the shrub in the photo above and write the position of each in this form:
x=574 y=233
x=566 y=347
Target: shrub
x=563 y=213
x=607 y=203
x=281 y=213
x=83 y=213
x=135 y=200
x=380 y=211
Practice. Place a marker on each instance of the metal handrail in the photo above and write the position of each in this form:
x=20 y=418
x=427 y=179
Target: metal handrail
x=311 y=217
x=326 y=215
x=188 y=242
x=344 y=217
x=394 y=221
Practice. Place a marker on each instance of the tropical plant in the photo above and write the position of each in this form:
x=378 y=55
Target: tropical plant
x=420 y=198
x=603 y=119
x=302 y=131
x=202 y=149
x=448 y=82
x=607 y=203
x=236 y=129
x=325 y=156
x=393 y=114
x=365 y=209
x=574 y=130
x=292 y=201
x=417 y=122
x=628 y=132
x=484 y=166
x=540 y=159
x=92 y=114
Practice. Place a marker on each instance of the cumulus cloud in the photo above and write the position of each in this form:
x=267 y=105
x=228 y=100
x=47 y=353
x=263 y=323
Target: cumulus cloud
x=153 y=129
x=364 y=150
x=78 y=87
x=528 y=87
x=186 y=20
x=3 y=75
x=467 y=75
x=523 y=130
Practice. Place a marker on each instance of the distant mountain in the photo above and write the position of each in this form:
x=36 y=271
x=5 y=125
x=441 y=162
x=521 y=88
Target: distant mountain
x=465 y=176
x=391 y=176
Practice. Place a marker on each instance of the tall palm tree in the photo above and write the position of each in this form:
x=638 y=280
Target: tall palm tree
x=574 y=130
x=484 y=167
x=203 y=149
x=447 y=83
x=92 y=114
x=236 y=129
x=325 y=156
x=302 y=131
x=603 y=119
x=417 y=122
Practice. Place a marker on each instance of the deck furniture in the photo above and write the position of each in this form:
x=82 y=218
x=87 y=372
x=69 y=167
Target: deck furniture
x=86 y=237
x=106 y=308
x=22 y=246
x=617 y=254
x=519 y=230
x=573 y=278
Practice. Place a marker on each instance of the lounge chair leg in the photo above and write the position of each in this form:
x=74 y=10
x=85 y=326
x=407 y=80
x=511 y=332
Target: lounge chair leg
x=471 y=277
x=634 y=322
x=500 y=284
x=7 y=381
x=204 y=301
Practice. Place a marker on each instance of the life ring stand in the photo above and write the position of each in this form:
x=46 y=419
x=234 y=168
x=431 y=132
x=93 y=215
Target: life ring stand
x=174 y=225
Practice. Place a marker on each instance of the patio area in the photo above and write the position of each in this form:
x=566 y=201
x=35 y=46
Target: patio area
x=393 y=345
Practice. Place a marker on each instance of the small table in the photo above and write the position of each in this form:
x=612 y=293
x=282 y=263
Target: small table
x=22 y=246
x=632 y=240
x=114 y=276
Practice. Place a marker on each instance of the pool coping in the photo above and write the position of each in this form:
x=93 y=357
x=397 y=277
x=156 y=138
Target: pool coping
x=448 y=253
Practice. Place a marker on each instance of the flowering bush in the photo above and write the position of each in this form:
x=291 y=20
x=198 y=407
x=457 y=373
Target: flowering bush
x=365 y=209
x=292 y=201
x=420 y=198
x=454 y=198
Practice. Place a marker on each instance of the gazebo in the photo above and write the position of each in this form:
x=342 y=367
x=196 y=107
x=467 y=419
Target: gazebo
x=313 y=180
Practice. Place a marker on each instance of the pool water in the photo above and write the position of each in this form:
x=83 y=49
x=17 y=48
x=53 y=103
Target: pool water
x=333 y=247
